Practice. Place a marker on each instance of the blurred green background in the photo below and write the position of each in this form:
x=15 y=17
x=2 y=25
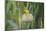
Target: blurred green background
x=13 y=8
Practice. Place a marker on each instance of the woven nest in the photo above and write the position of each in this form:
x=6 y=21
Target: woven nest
x=28 y=18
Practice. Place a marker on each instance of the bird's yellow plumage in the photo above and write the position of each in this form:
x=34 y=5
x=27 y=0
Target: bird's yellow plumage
x=26 y=12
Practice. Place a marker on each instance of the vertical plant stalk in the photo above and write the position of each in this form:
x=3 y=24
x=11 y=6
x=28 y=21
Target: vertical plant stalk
x=19 y=18
x=27 y=5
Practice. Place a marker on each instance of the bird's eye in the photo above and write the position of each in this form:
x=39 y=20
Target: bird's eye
x=24 y=12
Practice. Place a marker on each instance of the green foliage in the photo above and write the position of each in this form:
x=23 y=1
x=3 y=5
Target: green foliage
x=13 y=14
